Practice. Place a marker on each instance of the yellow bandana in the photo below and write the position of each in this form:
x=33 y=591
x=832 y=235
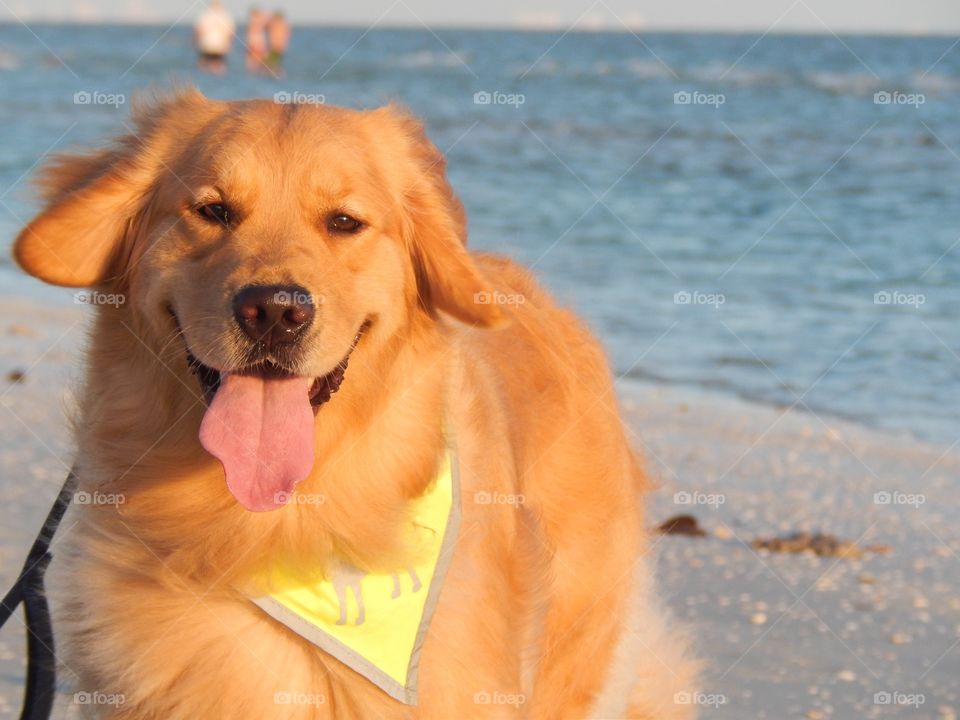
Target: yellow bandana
x=376 y=623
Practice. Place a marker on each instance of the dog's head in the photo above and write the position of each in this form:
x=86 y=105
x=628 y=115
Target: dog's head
x=278 y=240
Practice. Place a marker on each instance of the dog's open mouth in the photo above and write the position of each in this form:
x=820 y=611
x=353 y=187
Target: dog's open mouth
x=321 y=389
x=259 y=423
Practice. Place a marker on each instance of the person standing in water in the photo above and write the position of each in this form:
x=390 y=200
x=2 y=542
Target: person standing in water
x=278 y=35
x=257 y=40
x=213 y=36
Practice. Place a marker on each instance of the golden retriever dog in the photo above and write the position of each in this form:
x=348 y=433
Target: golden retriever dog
x=300 y=317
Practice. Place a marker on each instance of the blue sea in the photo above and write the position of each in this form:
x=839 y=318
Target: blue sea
x=771 y=217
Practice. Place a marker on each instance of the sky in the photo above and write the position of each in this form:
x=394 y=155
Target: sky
x=819 y=16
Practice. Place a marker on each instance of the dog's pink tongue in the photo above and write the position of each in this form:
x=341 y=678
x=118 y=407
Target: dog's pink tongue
x=262 y=432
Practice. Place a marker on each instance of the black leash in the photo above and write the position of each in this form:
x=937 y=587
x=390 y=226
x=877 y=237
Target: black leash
x=28 y=589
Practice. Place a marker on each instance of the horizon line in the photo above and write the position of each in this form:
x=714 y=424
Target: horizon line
x=517 y=27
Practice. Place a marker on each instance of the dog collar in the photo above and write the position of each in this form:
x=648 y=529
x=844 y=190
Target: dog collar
x=376 y=623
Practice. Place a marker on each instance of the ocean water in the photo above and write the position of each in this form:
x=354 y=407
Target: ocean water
x=773 y=217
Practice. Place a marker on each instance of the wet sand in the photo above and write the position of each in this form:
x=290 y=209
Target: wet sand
x=802 y=636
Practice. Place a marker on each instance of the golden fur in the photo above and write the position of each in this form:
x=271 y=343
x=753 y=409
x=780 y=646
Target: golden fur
x=549 y=600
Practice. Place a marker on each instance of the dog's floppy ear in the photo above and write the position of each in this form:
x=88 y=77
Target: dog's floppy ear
x=77 y=237
x=448 y=280
x=80 y=238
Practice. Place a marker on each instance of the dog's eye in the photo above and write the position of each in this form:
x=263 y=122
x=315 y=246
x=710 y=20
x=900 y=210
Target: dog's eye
x=214 y=212
x=341 y=223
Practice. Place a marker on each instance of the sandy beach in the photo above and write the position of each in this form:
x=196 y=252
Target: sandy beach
x=783 y=635
x=802 y=636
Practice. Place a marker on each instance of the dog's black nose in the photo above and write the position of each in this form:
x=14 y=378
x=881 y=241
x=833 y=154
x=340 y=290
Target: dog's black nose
x=273 y=314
